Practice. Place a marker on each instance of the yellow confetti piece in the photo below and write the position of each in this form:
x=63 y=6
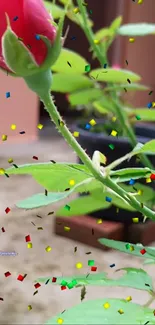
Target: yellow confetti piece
x=140 y=2
x=128 y=298
x=131 y=248
x=29 y=245
x=153 y=104
x=120 y=311
x=140 y=192
x=114 y=118
x=48 y=249
x=135 y=220
x=99 y=221
x=96 y=41
x=148 y=180
x=4 y=137
x=79 y=265
x=10 y=160
x=113 y=133
x=131 y=40
x=72 y=182
x=40 y=126
x=92 y=122
x=60 y=321
x=106 y=305
x=13 y=127
x=2 y=171
x=76 y=134
x=76 y=10
x=67 y=228
x=29 y=307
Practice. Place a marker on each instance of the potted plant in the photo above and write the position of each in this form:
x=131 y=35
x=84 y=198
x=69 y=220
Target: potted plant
x=111 y=125
x=89 y=177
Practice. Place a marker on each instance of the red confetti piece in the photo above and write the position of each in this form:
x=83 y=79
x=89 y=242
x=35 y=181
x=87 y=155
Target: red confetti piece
x=93 y=268
x=27 y=238
x=7 y=274
x=143 y=251
x=152 y=176
x=37 y=285
x=20 y=277
x=54 y=279
x=34 y=157
x=3 y=230
x=7 y=210
x=63 y=287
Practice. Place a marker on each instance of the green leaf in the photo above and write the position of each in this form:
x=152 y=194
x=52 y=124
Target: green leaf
x=125 y=174
x=93 y=312
x=66 y=83
x=116 y=24
x=104 y=105
x=84 y=97
x=147 y=192
x=148 y=148
x=41 y=199
x=83 y=205
x=115 y=76
x=145 y=114
x=139 y=29
x=117 y=201
x=122 y=247
x=133 y=278
x=55 y=10
x=102 y=33
x=76 y=61
x=49 y=175
x=128 y=87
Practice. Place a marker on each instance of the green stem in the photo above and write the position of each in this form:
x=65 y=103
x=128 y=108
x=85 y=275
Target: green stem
x=62 y=128
x=89 y=34
x=102 y=58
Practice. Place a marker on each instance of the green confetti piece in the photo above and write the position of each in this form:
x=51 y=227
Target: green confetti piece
x=70 y=285
x=111 y=146
x=91 y=262
x=63 y=283
x=127 y=246
x=87 y=68
x=74 y=282
x=67 y=207
x=138 y=117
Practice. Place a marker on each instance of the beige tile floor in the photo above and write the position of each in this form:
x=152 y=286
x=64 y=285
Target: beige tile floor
x=50 y=300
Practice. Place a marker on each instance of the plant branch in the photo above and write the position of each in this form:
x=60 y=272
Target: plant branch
x=62 y=128
x=151 y=299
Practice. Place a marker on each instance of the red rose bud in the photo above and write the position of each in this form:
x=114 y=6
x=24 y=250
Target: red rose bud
x=22 y=51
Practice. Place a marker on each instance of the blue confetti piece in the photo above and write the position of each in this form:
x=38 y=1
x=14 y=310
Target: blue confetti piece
x=149 y=105
x=22 y=132
x=112 y=265
x=108 y=199
x=73 y=38
x=87 y=126
x=37 y=37
x=132 y=181
x=15 y=18
x=8 y=94
x=105 y=65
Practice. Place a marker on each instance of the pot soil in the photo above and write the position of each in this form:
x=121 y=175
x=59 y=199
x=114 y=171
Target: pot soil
x=92 y=141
